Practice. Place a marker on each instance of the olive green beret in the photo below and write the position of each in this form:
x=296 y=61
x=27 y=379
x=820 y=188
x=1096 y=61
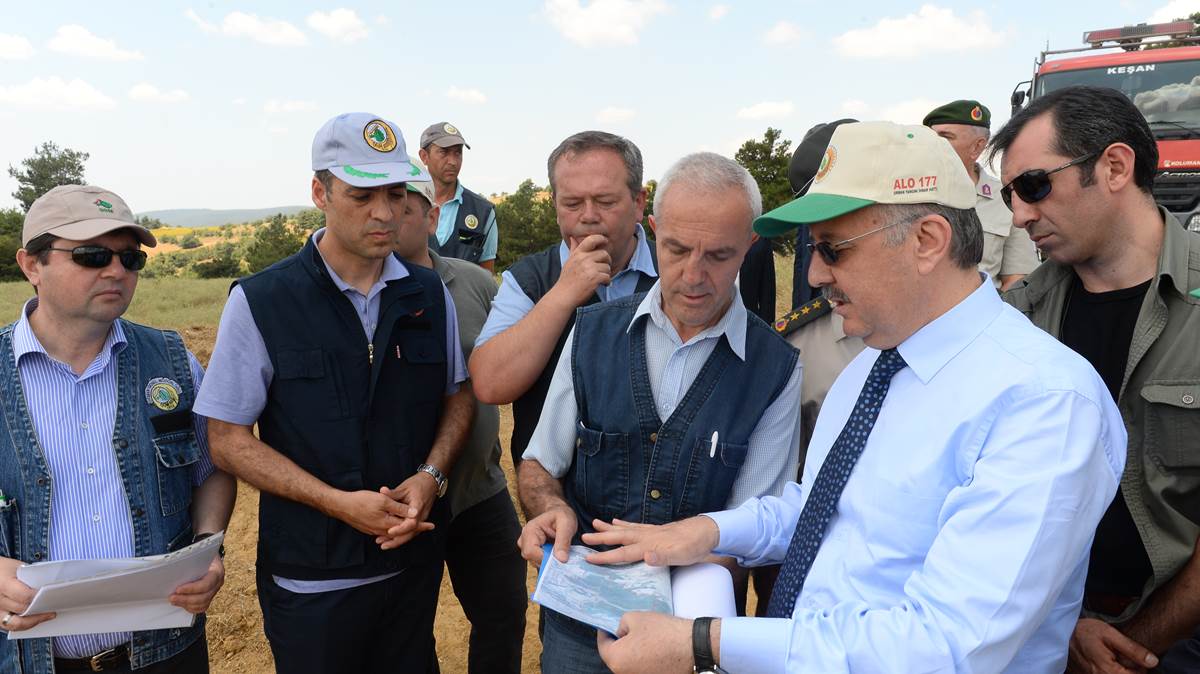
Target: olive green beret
x=972 y=113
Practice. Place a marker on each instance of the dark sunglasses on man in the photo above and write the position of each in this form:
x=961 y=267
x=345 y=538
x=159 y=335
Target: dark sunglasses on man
x=99 y=257
x=1034 y=185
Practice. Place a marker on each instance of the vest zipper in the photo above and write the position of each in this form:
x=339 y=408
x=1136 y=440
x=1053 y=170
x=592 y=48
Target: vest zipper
x=370 y=353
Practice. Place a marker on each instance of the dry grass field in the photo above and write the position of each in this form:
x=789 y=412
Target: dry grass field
x=236 y=642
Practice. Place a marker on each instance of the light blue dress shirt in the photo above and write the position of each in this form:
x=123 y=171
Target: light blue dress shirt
x=511 y=303
x=448 y=213
x=961 y=541
x=672 y=366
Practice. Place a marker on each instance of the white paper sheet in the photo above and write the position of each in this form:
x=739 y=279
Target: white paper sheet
x=114 y=595
x=702 y=590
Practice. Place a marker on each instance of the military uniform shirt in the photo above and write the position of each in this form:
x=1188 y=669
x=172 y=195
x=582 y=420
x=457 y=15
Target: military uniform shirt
x=1007 y=249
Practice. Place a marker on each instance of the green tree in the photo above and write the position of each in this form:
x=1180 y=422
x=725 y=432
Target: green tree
x=48 y=168
x=189 y=241
x=273 y=241
x=150 y=223
x=528 y=221
x=310 y=220
x=651 y=188
x=767 y=160
x=222 y=264
x=11 y=221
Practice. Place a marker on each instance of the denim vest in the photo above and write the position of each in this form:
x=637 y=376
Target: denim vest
x=355 y=414
x=467 y=239
x=155 y=450
x=632 y=465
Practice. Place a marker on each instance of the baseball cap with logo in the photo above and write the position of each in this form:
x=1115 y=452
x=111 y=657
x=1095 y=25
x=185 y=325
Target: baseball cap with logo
x=442 y=134
x=422 y=187
x=870 y=163
x=80 y=212
x=363 y=150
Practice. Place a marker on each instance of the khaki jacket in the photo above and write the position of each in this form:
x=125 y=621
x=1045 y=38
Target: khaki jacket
x=1159 y=398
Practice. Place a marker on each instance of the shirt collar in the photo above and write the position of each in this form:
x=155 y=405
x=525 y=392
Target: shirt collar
x=732 y=323
x=393 y=270
x=935 y=344
x=458 y=192
x=1178 y=246
x=26 y=342
x=441 y=267
x=641 y=261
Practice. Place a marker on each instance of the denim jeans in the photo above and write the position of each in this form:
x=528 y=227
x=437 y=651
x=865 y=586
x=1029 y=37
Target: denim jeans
x=568 y=646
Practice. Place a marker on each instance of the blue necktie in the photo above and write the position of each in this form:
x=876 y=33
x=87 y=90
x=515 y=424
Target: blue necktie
x=831 y=480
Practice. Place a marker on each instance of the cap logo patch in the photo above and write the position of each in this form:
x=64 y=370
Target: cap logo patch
x=827 y=163
x=163 y=393
x=977 y=114
x=104 y=206
x=450 y=129
x=471 y=221
x=914 y=185
x=379 y=136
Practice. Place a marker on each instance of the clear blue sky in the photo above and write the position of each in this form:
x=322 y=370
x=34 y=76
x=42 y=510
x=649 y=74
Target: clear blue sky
x=214 y=104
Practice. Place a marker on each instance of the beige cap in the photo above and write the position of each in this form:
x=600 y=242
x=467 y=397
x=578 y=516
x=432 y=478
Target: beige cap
x=442 y=134
x=80 y=212
x=424 y=187
x=870 y=163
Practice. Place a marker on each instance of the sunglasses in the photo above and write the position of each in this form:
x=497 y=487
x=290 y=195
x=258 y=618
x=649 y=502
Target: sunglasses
x=829 y=251
x=99 y=257
x=1034 y=185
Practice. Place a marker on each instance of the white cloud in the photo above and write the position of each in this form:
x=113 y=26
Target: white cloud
x=930 y=30
x=14 y=48
x=767 y=110
x=613 y=115
x=784 y=32
x=201 y=23
x=718 y=12
x=341 y=24
x=855 y=107
x=55 y=93
x=79 y=41
x=149 y=93
x=275 y=106
x=472 y=96
x=265 y=30
x=908 y=112
x=1176 y=9
x=602 y=22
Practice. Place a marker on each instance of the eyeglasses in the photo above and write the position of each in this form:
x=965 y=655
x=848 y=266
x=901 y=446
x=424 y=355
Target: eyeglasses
x=829 y=251
x=99 y=257
x=1034 y=185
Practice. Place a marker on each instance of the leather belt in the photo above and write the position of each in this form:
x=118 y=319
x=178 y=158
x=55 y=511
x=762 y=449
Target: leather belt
x=103 y=661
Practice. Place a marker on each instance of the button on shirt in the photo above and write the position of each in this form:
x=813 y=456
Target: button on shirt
x=960 y=543
x=672 y=366
x=240 y=372
x=74 y=418
x=448 y=214
x=512 y=304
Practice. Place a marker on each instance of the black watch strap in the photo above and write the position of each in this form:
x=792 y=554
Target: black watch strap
x=702 y=645
x=199 y=537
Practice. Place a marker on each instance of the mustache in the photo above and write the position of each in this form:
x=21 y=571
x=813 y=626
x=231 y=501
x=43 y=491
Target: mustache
x=833 y=294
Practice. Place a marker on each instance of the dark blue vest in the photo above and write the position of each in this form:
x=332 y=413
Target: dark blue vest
x=355 y=414
x=630 y=464
x=466 y=241
x=155 y=452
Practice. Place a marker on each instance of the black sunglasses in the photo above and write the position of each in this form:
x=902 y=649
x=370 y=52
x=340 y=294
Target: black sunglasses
x=1034 y=185
x=99 y=257
x=829 y=251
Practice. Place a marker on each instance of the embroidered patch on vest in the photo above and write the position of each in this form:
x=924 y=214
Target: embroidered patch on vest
x=163 y=393
x=471 y=222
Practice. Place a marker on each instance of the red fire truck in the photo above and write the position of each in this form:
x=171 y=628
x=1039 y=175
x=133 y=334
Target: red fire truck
x=1164 y=83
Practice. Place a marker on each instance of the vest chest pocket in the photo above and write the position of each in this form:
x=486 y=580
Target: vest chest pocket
x=425 y=359
x=306 y=384
x=710 y=476
x=10 y=529
x=1173 y=423
x=601 y=470
x=177 y=452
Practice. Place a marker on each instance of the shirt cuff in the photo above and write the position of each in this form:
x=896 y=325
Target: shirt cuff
x=750 y=645
x=737 y=528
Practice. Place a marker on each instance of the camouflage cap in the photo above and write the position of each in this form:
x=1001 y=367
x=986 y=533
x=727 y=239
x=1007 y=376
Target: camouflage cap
x=971 y=113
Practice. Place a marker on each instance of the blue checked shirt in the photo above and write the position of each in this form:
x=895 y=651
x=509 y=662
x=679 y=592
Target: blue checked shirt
x=74 y=418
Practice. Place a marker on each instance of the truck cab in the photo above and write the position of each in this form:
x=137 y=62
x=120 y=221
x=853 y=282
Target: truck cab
x=1164 y=84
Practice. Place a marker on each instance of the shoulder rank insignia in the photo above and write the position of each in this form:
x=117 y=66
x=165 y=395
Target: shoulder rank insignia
x=801 y=316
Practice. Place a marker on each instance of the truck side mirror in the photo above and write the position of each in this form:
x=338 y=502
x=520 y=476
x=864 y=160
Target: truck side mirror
x=1017 y=100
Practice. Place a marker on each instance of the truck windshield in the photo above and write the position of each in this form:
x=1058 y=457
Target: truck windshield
x=1167 y=93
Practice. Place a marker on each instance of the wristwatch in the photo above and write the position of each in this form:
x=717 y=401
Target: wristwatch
x=199 y=537
x=438 y=477
x=702 y=647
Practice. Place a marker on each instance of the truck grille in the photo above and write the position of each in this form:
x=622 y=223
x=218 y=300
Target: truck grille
x=1177 y=192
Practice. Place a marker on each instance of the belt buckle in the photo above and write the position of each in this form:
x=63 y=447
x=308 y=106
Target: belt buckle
x=100 y=661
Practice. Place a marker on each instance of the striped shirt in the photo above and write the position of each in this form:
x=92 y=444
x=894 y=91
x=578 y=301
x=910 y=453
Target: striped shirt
x=74 y=418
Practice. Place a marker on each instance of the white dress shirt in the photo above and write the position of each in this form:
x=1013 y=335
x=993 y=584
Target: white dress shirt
x=960 y=543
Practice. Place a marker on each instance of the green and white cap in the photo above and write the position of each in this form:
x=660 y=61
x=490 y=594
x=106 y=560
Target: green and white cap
x=363 y=150
x=869 y=163
x=422 y=187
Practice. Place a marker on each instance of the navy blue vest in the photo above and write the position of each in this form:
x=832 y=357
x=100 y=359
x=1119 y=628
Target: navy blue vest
x=630 y=464
x=467 y=239
x=155 y=451
x=355 y=414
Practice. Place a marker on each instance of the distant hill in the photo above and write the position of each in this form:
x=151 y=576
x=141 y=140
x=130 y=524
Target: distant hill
x=208 y=217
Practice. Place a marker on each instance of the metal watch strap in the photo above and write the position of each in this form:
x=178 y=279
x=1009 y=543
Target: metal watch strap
x=702 y=645
x=438 y=477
